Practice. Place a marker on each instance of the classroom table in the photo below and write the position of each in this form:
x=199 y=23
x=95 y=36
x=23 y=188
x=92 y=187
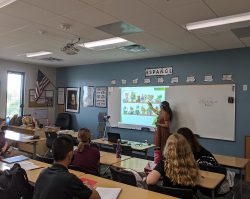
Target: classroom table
x=136 y=146
x=235 y=163
x=33 y=174
x=110 y=158
x=128 y=192
x=22 y=138
x=207 y=179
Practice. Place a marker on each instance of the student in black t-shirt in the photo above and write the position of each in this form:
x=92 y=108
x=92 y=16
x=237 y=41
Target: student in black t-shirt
x=56 y=181
x=201 y=155
x=178 y=168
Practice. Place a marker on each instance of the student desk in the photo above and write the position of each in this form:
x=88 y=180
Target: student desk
x=233 y=162
x=136 y=146
x=33 y=174
x=110 y=158
x=207 y=179
x=127 y=192
x=23 y=138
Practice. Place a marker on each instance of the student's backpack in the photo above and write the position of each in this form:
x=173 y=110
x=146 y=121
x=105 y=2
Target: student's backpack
x=14 y=184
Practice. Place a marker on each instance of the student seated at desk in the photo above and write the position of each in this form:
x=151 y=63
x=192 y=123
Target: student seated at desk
x=3 y=142
x=56 y=181
x=85 y=156
x=201 y=155
x=178 y=168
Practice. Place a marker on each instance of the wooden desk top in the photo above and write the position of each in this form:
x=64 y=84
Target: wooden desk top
x=209 y=179
x=20 y=137
x=128 y=192
x=134 y=145
x=230 y=161
x=136 y=164
x=110 y=158
x=33 y=174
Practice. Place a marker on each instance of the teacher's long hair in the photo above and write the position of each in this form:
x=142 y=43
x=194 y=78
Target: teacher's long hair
x=166 y=107
x=180 y=165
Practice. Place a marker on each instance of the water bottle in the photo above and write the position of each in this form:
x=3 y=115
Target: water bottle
x=118 y=149
x=7 y=120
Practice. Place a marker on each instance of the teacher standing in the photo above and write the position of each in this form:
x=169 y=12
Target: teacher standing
x=162 y=130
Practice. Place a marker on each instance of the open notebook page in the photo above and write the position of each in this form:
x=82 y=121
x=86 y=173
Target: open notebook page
x=108 y=193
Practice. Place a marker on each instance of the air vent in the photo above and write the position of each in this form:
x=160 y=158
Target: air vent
x=51 y=59
x=119 y=28
x=134 y=48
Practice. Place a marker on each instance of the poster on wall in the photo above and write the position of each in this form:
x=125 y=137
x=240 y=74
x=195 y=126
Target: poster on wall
x=88 y=96
x=72 y=100
x=60 y=96
x=101 y=97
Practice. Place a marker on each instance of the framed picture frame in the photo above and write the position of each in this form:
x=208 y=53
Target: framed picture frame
x=88 y=96
x=72 y=100
x=101 y=96
x=60 y=96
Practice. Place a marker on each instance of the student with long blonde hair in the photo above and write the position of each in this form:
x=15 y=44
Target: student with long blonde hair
x=85 y=156
x=178 y=168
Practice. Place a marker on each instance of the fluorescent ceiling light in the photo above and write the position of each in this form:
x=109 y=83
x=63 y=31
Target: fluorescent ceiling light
x=5 y=2
x=36 y=54
x=219 y=21
x=104 y=42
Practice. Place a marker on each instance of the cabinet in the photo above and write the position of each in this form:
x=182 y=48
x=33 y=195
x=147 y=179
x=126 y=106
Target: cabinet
x=247 y=155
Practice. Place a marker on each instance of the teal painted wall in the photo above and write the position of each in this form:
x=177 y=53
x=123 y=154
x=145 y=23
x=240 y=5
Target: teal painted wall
x=235 y=62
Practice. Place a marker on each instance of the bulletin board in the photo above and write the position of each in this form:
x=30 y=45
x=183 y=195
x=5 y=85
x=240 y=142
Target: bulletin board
x=46 y=99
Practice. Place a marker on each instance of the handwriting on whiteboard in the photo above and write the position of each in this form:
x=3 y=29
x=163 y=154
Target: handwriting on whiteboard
x=206 y=102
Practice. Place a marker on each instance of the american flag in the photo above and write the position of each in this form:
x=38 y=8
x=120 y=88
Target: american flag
x=41 y=82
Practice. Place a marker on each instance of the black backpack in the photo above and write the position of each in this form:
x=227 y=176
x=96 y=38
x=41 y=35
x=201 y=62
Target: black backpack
x=14 y=184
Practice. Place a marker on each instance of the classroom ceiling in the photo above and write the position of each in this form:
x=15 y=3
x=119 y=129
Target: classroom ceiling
x=36 y=25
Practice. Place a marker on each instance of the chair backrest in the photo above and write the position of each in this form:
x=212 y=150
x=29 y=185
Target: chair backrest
x=74 y=139
x=113 y=137
x=50 y=137
x=63 y=121
x=126 y=150
x=123 y=176
x=44 y=159
x=173 y=191
x=81 y=169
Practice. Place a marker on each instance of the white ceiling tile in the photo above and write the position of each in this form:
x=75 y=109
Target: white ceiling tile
x=90 y=16
x=182 y=12
x=222 y=40
x=228 y=7
x=58 y=6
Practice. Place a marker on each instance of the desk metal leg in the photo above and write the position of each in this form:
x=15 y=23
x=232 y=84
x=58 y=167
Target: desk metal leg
x=212 y=194
x=146 y=154
x=34 y=150
x=241 y=183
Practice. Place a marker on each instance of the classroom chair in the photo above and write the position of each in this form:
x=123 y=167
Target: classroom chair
x=81 y=169
x=173 y=191
x=126 y=150
x=50 y=137
x=123 y=176
x=63 y=121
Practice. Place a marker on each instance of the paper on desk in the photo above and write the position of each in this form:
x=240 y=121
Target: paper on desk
x=108 y=193
x=26 y=165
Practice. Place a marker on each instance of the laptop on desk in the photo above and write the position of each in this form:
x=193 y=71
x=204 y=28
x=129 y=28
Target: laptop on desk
x=113 y=137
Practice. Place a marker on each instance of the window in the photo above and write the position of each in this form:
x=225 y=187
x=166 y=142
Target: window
x=15 y=88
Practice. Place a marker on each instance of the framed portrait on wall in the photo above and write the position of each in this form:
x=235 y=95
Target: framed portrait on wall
x=72 y=100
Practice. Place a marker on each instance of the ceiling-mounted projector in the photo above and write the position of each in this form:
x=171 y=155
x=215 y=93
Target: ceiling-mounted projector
x=70 y=49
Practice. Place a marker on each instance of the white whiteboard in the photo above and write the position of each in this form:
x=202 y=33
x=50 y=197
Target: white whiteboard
x=204 y=109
